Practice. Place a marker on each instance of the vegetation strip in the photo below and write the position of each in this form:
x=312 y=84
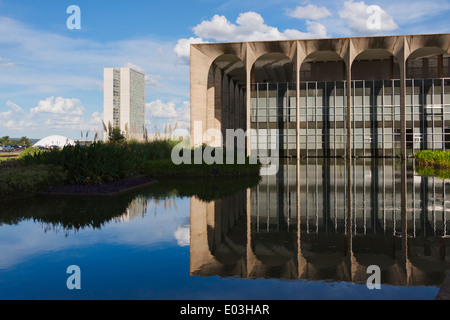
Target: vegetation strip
x=107 y=190
x=433 y=163
x=437 y=158
x=101 y=165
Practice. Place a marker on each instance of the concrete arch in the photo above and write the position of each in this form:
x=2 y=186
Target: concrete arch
x=375 y=64
x=273 y=67
x=222 y=105
x=393 y=45
x=429 y=60
x=415 y=42
x=309 y=47
x=255 y=50
x=328 y=66
x=212 y=51
x=351 y=51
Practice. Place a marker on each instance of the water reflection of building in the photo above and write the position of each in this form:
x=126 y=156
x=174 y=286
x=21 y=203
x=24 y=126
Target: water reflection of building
x=136 y=209
x=258 y=233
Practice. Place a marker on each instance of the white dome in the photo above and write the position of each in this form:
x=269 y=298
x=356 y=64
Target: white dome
x=55 y=141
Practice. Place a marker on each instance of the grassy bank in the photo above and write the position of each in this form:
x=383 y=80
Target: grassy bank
x=7 y=157
x=434 y=158
x=433 y=163
x=103 y=163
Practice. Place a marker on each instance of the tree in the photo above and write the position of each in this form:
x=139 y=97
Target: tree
x=24 y=141
x=115 y=135
x=4 y=140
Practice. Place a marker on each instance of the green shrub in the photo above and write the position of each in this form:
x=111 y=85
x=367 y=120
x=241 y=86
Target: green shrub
x=433 y=157
x=29 y=151
x=101 y=162
x=23 y=181
x=106 y=162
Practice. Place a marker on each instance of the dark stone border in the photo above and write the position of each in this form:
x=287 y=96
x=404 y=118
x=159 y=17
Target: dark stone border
x=97 y=194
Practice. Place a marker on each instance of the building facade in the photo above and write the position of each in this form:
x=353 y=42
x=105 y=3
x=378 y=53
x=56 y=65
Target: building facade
x=367 y=96
x=124 y=101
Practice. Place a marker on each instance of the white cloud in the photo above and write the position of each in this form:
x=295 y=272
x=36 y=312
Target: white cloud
x=58 y=122
x=135 y=67
x=249 y=26
x=20 y=124
x=182 y=235
x=96 y=119
x=6 y=63
x=416 y=11
x=63 y=122
x=309 y=12
x=153 y=80
x=183 y=48
x=356 y=15
x=53 y=114
x=159 y=109
x=5 y=115
x=57 y=64
x=10 y=124
x=14 y=106
x=16 y=118
x=59 y=106
x=174 y=113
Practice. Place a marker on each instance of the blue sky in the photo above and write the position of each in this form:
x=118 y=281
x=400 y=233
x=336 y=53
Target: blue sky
x=51 y=77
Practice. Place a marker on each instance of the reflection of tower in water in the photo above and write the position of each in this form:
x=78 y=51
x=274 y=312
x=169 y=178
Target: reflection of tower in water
x=338 y=220
x=142 y=205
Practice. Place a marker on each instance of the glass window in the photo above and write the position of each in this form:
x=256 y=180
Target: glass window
x=397 y=93
x=320 y=92
x=368 y=92
x=340 y=94
x=311 y=94
x=358 y=93
x=447 y=91
x=437 y=97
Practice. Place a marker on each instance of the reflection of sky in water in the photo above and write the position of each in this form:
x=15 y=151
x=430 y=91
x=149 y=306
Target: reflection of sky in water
x=31 y=246
x=157 y=228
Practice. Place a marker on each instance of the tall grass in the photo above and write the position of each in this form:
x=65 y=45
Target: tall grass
x=18 y=181
x=436 y=158
x=101 y=162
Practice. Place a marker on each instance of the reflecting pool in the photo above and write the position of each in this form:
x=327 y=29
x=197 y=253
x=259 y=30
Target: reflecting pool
x=310 y=232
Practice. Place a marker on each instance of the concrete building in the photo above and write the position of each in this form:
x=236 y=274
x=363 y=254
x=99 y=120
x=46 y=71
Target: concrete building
x=366 y=96
x=124 y=101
